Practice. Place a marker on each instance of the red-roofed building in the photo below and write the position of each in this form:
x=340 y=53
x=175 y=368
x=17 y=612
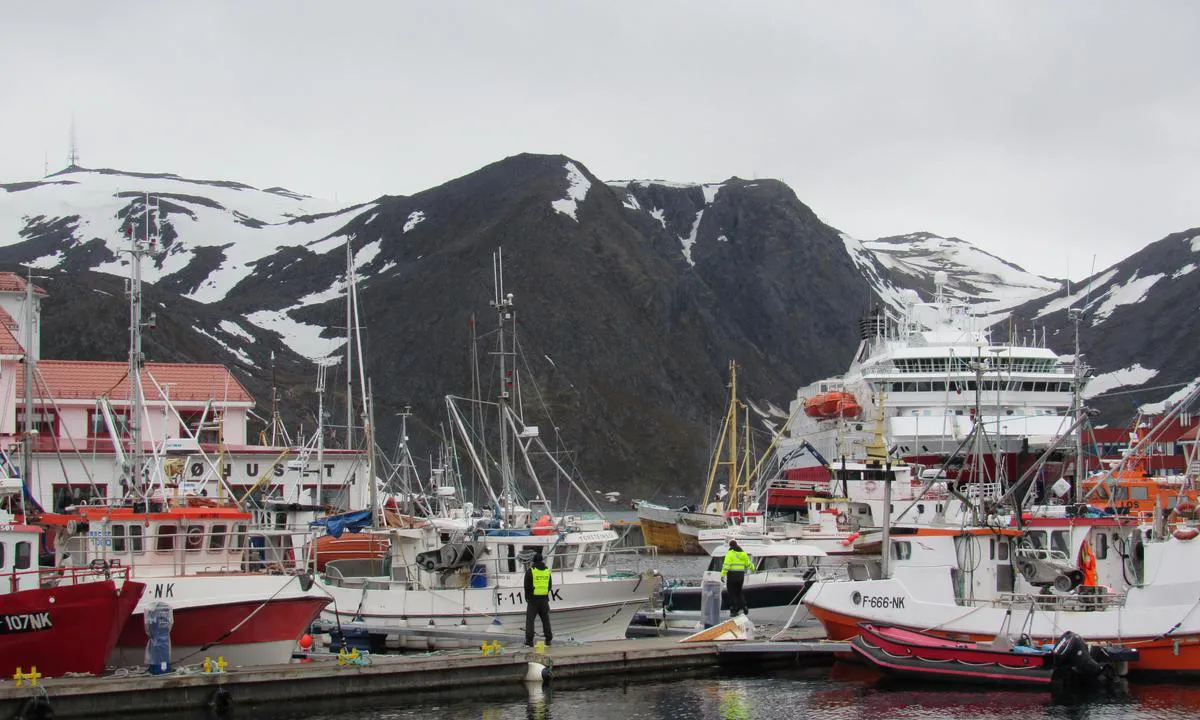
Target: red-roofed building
x=1165 y=453
x=195 y=421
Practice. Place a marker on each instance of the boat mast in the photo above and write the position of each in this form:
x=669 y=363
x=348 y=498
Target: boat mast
x=504 y=311
x=1076 y=314
x=732 y=419
x=30 y=360
x=349 y=346
x=137 y=249
x=322 y=367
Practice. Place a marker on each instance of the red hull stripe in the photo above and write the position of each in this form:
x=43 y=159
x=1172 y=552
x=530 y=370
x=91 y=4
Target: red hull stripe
x=276 y=620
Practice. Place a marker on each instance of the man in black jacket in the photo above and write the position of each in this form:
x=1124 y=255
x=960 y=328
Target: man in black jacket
x=538 y=585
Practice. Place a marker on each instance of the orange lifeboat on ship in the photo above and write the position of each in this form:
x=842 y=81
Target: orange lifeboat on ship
x=832 y=404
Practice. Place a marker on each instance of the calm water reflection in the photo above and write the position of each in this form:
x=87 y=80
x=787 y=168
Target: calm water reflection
x=841 y=693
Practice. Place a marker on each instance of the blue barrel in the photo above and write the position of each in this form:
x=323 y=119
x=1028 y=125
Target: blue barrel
x=158 y=619
x=479 y=577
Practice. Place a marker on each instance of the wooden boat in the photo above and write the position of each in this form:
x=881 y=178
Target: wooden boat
x=1067 y=665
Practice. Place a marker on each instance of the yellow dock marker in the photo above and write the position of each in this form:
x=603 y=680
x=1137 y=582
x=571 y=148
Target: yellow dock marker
x=215 y=667
x=492 y=647
x=540 y=647
x=32 y=676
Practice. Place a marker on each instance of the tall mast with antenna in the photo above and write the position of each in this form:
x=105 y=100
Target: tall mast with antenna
x=27 y=446
x=504 y=311
x=138 y=247
x=1076 y=314
x=321 y=368
x=349 y=345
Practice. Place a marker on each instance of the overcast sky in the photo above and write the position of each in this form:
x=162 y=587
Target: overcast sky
x=1046 y=132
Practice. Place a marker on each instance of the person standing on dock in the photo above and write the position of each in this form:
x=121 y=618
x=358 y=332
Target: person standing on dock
x=733 y=571
x=538 y=585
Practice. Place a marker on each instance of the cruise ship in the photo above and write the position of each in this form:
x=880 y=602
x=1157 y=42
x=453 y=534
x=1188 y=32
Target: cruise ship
x=937 y=371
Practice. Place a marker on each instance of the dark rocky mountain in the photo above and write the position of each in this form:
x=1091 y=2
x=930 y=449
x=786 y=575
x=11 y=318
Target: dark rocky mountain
x=1135 y=327
x=631 y=297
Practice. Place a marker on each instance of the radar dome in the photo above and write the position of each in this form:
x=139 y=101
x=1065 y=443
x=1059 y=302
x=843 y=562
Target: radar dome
x=940 y=278
x=910 y=296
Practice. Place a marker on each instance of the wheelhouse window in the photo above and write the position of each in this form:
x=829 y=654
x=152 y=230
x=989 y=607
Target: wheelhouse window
x=902 y=550
x=166 y=538
x=216 y=540
x=23 y=557
x=195 y=538
x=118 y=538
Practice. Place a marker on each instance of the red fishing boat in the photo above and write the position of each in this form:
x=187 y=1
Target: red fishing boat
x=56 y=620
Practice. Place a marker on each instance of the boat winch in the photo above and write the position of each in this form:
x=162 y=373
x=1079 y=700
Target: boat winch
x=450 y=556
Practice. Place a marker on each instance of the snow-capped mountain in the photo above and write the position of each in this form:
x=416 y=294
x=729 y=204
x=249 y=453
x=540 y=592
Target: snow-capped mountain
x=671 y=280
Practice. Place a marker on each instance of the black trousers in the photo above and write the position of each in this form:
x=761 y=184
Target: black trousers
x=539 y=606
x=734 y=580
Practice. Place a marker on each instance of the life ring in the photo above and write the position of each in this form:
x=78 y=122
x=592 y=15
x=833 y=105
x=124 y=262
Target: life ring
x=220 y=704
x=1185 y=533
x=870 y=486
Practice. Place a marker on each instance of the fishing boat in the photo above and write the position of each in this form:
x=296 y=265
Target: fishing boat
x=449 y=584
x=55 y=620
x=1069 y=664
x=784 y=570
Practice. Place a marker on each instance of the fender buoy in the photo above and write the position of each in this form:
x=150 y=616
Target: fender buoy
x=35 y=708
x=220 y=704
x=850 y=539
x=1186 y=533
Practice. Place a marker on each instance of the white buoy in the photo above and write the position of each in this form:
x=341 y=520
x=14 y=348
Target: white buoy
x=536 y=673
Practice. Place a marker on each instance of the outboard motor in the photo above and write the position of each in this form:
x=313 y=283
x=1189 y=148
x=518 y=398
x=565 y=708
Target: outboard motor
x=1072 y=651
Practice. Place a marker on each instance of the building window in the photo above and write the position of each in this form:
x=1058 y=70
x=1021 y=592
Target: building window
x=208 y=433
x=45 y=422
x=98 y=426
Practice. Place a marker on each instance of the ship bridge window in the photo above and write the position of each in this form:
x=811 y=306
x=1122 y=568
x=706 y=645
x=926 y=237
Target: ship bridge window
x=1058 y=542
x=23 y=557
x=239 y=536
x=3 y=559
x=1036 y=538
x=902 y=550
x=716 y=564
x=166 y=538
x=216 y=540
x=776 y=562
x=999 y=549
x=924 y=387
x=1139 y=492
x=591 y=556
x=118 y=538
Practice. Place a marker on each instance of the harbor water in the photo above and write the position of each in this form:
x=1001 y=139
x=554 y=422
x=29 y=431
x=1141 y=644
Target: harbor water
x=842 y=692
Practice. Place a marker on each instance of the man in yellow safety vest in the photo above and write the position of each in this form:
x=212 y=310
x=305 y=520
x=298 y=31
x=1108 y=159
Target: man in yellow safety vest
x=733 y=571
x=538 y=585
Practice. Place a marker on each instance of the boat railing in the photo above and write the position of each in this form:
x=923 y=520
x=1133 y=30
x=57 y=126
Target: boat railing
x=1083 y=599
x=65 y=576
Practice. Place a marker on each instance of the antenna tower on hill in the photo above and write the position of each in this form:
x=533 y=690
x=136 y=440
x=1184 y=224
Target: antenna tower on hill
x=73 y=154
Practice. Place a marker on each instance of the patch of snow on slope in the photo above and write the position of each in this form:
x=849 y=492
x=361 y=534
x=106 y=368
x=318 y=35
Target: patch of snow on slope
x=371 y=219
x=366 y=254
x=710 y=191
x=1132 y=376
x=866 y=261
x=631 y=202
x=415 y=218
x=1178 y=396
x=212 y=216
x=1183 y=271
x=1134 y=290
x=303 y=338
x=234 y=329
x=1078 y=295
x=1195 y=242
x=660 y=216
x=239 y=354
x=690 y=240
x=577 y=189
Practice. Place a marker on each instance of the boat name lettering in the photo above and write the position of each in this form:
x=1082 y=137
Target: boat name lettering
x=518 y=598
x=593 y=536
x=25 y=622
x=882 y=602
x=164 y=590
x=247 y=471
x=6 y=528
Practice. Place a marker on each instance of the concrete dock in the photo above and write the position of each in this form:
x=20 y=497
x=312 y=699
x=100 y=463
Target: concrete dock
x=460 y=673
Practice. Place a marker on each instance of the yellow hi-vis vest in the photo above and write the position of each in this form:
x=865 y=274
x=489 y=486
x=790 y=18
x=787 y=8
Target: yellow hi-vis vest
x=737 y=560
x=541 y=581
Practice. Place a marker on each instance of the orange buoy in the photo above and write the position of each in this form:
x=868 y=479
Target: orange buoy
x=543 y=526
